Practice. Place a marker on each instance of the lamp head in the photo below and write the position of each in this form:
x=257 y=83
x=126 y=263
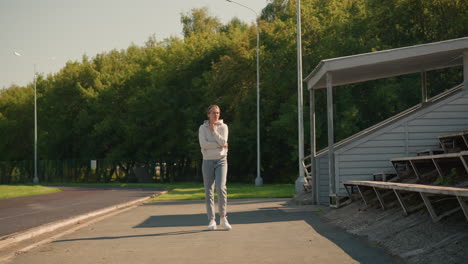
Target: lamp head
x=17 y=54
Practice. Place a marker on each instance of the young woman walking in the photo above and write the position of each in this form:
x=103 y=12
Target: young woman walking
x=213 y=138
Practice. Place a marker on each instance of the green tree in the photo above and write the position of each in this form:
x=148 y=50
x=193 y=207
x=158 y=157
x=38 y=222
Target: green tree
x=143 y=105
x=17 y=123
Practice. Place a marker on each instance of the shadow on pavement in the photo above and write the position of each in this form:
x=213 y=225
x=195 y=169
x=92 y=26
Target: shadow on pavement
x=230 y=202
x=357 y=247
x=239 y=218
x=133 y=236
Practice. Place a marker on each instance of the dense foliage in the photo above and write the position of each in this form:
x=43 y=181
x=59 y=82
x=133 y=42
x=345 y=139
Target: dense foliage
x=145 y=103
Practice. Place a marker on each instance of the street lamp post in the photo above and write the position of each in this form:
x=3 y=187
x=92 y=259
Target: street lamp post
x=36 y=178
x=258 y=180
x=301 y=179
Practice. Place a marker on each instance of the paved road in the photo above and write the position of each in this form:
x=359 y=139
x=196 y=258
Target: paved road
x=22 y=213
x=264 y=231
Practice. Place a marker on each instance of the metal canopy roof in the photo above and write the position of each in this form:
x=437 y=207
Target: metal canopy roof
x=388 y=63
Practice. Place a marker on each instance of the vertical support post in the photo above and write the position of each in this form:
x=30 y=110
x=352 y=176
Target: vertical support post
x=312 y=146
x=423 y=87
x=331 y=150
x=317 y=179
x=465 y=69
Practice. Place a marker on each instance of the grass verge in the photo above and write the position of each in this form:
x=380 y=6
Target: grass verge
x=195 y=191
x=235 y=191
x=11 y=191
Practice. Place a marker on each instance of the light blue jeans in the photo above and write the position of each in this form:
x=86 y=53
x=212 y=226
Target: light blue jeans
x=215 y=172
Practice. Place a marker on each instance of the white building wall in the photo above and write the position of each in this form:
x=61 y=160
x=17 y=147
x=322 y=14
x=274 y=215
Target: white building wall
x=361 y=157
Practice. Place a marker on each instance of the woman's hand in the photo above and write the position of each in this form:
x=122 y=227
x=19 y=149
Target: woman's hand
x=212 y=127
x=223 y=146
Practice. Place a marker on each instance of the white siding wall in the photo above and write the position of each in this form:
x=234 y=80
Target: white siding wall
x=323 y=179
x=371 y=153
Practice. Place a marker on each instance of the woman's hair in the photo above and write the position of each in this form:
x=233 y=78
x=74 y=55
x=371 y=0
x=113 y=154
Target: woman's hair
x=211 y=108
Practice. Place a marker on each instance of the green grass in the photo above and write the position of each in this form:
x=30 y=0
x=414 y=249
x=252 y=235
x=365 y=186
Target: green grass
x=195 y=191
x=10 y=191
x=116 y=185
x=235 y=191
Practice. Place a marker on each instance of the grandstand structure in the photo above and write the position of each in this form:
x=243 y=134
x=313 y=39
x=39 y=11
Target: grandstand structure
x=422 y=145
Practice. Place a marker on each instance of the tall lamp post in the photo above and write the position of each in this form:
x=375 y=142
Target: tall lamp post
x=36 y=178
x=301 y=179
x=258 y=180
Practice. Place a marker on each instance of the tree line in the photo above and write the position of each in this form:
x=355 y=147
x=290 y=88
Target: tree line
x=144 y=104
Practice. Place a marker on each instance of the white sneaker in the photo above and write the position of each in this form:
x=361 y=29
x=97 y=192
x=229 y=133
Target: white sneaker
x=225 y=224
x=212 y=225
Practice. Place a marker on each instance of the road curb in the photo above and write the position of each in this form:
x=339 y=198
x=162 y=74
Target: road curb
x=36 y=231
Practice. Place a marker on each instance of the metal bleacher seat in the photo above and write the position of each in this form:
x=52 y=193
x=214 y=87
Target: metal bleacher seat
x=455 y=142
x=427 y=164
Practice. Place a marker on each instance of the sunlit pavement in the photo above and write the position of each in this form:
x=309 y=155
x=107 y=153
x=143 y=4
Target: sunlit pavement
x=264 y=231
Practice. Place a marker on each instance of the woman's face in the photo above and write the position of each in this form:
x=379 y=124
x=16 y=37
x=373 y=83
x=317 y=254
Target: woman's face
x=213 y=115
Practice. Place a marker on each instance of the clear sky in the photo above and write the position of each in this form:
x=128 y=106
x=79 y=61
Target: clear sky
x=49 y=33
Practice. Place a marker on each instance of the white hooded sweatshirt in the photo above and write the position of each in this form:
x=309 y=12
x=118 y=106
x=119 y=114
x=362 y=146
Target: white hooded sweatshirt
x=211 y=142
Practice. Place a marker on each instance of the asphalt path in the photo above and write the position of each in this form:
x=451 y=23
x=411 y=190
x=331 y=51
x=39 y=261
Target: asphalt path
x=22 y=213
x=264 y=231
